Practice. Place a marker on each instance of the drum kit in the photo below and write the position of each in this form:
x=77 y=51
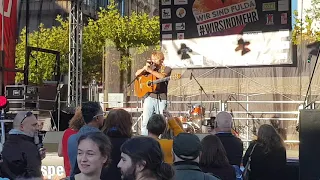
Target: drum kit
x=192 y=120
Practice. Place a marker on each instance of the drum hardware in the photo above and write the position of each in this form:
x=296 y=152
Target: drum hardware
x=201 y=91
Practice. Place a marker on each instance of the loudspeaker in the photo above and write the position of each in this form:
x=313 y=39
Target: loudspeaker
x=309 y=148
x=66 y=115
x=51 y=140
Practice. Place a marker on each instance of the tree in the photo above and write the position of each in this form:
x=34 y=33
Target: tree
x=42 y=64
x=138 y=31
x=306 y=29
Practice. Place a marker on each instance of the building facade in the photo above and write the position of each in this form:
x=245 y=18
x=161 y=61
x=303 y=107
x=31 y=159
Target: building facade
x=150 y=7
x=46 y=11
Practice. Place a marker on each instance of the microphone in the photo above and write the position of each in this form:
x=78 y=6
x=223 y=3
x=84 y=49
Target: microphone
x=191 y=76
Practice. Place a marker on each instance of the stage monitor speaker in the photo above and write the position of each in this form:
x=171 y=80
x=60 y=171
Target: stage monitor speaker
x=51 y=140
x=66 y=115
x=309 y=148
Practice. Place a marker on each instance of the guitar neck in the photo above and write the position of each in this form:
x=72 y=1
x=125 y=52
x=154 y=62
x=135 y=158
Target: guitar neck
x=161 y=80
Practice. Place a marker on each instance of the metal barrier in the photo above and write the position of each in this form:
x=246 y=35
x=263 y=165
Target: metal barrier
x=222 y=107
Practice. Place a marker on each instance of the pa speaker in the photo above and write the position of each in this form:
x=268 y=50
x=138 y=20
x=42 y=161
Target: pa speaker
x=309 y=156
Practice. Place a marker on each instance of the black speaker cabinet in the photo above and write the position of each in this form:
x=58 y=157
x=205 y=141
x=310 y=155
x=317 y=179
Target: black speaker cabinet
x=309 y=149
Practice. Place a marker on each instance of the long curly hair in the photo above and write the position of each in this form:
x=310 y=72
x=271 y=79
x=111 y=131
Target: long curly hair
x=269 y=138
x=76 y=121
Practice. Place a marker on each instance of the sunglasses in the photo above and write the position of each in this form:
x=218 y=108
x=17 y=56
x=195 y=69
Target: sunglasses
x=101 y=114
x=28 y=114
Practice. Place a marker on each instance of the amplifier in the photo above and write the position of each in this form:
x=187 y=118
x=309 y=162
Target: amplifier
x=22 y=92
x=22 y=105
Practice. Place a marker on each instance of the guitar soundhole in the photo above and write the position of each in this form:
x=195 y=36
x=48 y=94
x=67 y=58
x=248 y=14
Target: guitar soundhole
x=149 y=83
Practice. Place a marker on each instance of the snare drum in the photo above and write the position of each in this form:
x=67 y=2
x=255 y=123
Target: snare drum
x=197 y=111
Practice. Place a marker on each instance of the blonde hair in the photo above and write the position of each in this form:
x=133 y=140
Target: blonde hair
x=158 y=54
x=76 y=121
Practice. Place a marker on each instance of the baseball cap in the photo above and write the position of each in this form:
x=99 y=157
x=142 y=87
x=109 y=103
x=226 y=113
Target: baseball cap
x=187 y=146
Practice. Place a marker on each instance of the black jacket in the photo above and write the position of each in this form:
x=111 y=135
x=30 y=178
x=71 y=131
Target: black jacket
x=233 y=147
x=112 y=171
x=21 y=157
x=224 y=173
x=265 y=166
x=185 y=170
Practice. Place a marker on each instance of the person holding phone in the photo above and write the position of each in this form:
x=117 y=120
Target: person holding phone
x=21 y=154
x=157 y=125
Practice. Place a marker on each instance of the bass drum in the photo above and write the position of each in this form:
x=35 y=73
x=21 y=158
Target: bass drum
x=197 y=112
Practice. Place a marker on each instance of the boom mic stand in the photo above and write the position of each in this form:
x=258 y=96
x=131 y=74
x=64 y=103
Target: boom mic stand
x=201 y=90
x=310 y=82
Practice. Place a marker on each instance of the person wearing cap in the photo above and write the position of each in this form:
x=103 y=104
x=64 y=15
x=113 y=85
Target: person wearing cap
x=187 y=150
x=93 y=117
x=232 y=144
x=21 y=154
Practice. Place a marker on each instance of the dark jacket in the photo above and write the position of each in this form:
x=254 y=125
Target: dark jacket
x=224 y=173
x=265 y=166
x=190 y=171
x=112 y=171
x=233 y=147
x=21 y=157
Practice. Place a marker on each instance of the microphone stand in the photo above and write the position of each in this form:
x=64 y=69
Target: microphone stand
x=309 y=86
x=251 y=115
x=201 y=90
x=132 y=81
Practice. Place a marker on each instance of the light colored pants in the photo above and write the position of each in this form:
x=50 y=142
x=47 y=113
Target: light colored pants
x=151 y=106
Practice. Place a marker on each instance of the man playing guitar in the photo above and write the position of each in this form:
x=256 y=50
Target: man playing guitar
x=155 y=102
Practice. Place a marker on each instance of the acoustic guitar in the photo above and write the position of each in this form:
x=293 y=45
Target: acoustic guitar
x=147 y=84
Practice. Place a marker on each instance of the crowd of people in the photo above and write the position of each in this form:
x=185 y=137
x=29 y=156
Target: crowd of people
x=95 y=147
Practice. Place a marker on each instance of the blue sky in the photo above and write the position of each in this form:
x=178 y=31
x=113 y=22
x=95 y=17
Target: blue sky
x=294 y=5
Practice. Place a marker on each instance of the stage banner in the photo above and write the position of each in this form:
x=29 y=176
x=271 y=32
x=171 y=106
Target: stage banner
x=9 y=36
x=217 y=33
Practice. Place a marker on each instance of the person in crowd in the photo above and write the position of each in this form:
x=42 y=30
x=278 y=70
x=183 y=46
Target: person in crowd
x=187 y=149
x=232 y=144
x=93 y=117
x=142 y=159
x=94 y=150
x=214 y=159
x=74 y=125
x=21 y=154
x=156 y=126
x=118 y=127
x=268 y=158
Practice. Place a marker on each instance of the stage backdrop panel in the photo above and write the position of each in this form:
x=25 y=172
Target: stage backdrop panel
x=214 y=33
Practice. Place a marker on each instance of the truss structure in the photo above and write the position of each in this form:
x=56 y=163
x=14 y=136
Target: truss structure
x=75 y=54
